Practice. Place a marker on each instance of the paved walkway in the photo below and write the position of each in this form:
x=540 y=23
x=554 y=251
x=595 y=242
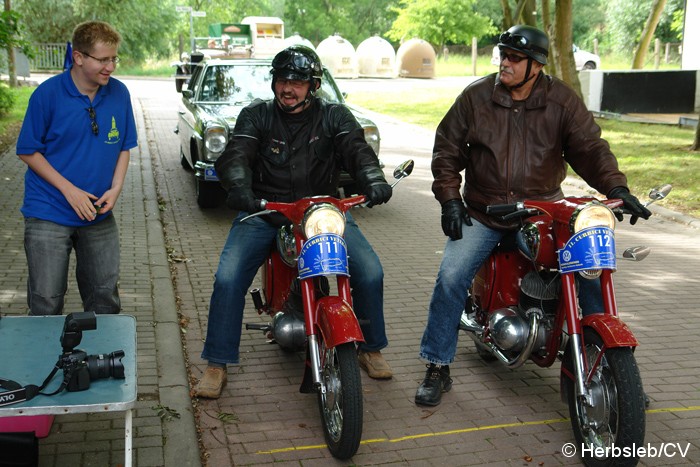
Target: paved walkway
x=147 y=293
x=492 y=416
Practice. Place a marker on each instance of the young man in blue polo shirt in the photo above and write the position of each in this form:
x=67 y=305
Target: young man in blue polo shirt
x=75 y=140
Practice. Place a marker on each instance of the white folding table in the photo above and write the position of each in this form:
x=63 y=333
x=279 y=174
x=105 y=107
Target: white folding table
x=30 y=347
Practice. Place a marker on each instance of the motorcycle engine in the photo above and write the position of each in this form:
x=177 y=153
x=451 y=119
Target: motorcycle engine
x=288 y=331
x=539 y=293
x=288 y=328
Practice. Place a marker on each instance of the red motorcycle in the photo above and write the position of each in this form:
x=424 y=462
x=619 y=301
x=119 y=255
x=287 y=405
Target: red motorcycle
x=307 y=315
x=523 y=305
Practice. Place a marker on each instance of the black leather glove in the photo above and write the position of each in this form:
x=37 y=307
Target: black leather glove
x=241 y=199
x=454 y=212
x=378 y=193
x=631 y=203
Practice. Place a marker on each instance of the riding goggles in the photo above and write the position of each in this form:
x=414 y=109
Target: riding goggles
x=518 y=41
x=293 y=60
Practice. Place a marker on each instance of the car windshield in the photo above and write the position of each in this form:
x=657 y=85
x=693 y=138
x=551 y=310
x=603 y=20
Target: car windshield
x=243 y=83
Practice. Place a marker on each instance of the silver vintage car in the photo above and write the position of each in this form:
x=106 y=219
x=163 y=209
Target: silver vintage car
x=217 y=91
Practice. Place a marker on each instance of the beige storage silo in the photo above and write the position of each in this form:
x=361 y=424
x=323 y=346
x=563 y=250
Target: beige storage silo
x=415 y=59
x=376 y=58
x=338 y=55
x=296 y=39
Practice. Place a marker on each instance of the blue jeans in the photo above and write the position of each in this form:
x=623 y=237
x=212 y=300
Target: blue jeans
x=48 y=247
x=247 y=246
x=460 y=263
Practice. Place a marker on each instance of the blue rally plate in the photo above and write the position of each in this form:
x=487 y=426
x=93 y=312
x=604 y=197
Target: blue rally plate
x=210 y=174
x=323 y=255
x=591 y=248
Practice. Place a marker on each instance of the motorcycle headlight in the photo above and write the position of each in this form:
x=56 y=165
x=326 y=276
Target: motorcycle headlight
x=215 y=139
x=593 y=214
x=323 y=218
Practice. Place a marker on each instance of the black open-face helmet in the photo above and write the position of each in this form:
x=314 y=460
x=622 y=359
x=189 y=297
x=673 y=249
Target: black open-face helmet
x=528 y=40
x=297 y=62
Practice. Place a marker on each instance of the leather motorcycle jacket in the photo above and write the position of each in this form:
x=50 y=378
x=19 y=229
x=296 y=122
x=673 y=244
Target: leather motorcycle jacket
x=516 y=150
x=284 y=157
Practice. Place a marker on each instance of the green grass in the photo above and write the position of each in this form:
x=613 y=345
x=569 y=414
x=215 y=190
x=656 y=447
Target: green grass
x=17 y=113
x=160 y=68
x=650 y=155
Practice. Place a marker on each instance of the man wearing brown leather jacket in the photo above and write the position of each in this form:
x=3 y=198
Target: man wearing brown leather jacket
x=513 y=134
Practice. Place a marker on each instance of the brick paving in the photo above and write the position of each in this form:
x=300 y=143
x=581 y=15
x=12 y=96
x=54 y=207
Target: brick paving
x=492 y=416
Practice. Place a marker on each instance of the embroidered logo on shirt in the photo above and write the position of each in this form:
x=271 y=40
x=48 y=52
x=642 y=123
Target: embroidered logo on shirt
x=113 y=135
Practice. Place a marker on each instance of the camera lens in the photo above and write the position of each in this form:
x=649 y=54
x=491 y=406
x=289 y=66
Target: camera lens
x=104 y=366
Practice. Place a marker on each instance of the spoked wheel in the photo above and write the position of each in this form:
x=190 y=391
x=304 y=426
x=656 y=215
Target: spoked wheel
x=341 y=405
x=615 y=421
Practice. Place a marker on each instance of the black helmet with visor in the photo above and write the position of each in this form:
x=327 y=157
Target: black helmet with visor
x=297 y=62
x=528 y=40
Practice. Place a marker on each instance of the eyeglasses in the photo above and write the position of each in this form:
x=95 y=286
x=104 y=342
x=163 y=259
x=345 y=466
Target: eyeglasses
x=517 y=40
x=512 y=58
x=103 y=61
x=298 y=61
x=93 y=120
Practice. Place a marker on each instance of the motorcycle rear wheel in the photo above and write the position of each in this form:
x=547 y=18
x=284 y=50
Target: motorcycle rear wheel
x=617 y=416
x=341 y=405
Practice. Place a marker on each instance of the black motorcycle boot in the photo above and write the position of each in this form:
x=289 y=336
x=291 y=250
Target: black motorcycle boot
x=437 y=380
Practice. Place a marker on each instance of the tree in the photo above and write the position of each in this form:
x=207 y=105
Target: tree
x=563 y=43
x=439 y=22
x=148 y=29
x=640 y=52
x=696 y=143
x=355 y=21
x=626 y=20
x=11 y=37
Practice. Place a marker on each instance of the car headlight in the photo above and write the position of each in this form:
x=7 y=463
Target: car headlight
x=372 y=138
x=323 y=218
x=215 y=139
x=593 y=214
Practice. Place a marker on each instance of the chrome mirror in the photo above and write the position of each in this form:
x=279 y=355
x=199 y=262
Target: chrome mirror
x=636 y=253
x=403 y=170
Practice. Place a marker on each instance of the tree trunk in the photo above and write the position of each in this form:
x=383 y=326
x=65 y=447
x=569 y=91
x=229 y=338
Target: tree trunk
x=647 y=34
x=563 y=26
x=518 y=14
x=552 y=61
x=507 y=15
x=11 y=67
x=529 y=13
x=696 y=143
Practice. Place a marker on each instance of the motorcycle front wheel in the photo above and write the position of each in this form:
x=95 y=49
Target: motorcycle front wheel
x=341 y=405
x=608 y=430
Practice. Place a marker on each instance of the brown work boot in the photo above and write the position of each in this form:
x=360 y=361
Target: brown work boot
x=375 y=365
x=212 y=382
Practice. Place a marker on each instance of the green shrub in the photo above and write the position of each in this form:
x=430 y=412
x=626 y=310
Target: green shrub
x=7 y=99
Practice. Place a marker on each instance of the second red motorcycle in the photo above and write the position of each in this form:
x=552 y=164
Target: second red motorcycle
x=523 y=305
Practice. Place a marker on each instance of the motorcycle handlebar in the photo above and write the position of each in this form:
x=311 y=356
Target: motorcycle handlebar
x=503 y=209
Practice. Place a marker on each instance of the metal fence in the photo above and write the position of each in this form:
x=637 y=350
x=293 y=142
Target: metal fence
x=48 y=56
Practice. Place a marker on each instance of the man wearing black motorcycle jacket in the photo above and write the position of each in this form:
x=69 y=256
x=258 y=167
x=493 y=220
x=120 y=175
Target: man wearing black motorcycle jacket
x=284 y=149
x=513 y=134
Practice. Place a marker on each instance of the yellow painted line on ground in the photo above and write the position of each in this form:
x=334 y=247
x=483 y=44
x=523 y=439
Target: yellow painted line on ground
x=465 y=430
